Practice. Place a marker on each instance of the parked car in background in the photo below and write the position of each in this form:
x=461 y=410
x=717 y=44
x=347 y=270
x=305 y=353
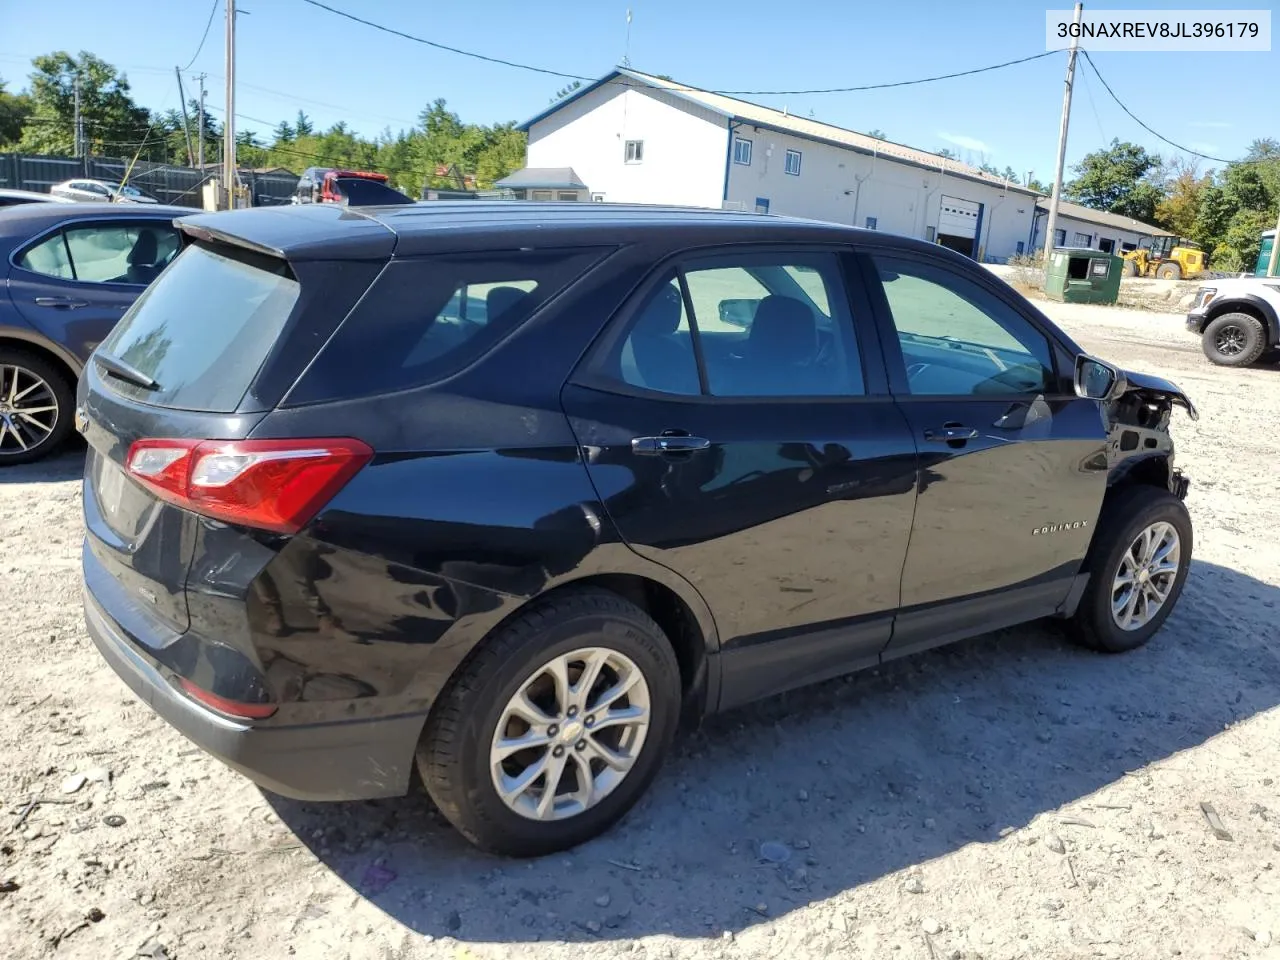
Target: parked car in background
x=11 y=198
x=504 y=491
x=1237 y=320
x=100 y=191
x=70 y=271
x=353 y=187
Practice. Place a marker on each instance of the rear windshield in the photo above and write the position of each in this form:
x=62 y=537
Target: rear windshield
x=425 y=319
x=203 y=329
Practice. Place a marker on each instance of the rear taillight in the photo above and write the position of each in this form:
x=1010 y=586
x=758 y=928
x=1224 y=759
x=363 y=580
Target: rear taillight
x=273 y=485
x=232 y=708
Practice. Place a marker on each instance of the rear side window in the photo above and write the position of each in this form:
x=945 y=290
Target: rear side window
x=202 y=331
x=427 y=318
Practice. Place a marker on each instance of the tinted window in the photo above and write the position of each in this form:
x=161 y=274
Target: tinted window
x=657 y=353
x=765 y=325
x=959 y=339
x=765 y=333
x=425 y=319
x=204 y=329
x=362 y=192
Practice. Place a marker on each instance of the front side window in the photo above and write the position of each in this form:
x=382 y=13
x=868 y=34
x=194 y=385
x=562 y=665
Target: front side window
x=958 y=339
x=765 y=326
x=132 y=253
x=634 y=151
x=742 y=151
x=793 y=163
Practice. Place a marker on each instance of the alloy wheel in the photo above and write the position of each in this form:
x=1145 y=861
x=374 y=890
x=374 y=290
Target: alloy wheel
x=1148 y=570
x=28 y=410
x=1230 y=341
x=571 y=734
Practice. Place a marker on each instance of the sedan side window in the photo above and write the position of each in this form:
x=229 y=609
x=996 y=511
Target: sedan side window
x=50 y=258
x=958 y=339
x=121 y=253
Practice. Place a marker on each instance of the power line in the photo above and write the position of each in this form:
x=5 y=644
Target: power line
x=443 y=46
x=205 y=36
x=1158 y=136
x=879 y=86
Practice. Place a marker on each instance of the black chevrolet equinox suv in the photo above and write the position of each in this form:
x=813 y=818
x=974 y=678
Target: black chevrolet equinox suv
x=504 y=492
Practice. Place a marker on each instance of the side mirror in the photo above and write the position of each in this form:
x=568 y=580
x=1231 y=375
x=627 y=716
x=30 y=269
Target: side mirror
x=1096 y=380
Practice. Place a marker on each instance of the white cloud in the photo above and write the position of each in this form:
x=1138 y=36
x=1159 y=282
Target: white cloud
x=966 y=143
x=1210 y=124
x=1199 y=146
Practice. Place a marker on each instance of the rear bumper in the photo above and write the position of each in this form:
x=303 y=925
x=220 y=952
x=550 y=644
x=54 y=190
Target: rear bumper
x=341 y=760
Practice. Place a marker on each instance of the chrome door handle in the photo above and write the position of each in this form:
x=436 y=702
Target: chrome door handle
x=950 y=433
x=62 y=303
x=657 y=446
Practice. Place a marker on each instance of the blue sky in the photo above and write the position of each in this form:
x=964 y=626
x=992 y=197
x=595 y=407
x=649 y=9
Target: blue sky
x=292 y=55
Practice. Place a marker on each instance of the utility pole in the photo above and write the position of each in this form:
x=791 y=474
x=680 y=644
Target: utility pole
x=229 y=125
x=186 y=120
x=76 y=133
x=1051 y=227
x=200 y=123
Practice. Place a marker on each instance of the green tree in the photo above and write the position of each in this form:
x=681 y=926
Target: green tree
x=947 y=153
x=567 y=91
x=877 y=133
x=504 y=151
x=113 y=123
x=1119 y=179
x=302 y=127
x=283 y=132
x=14 y=110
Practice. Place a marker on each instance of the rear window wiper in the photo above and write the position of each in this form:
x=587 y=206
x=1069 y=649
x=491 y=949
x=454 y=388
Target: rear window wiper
x=118 y=368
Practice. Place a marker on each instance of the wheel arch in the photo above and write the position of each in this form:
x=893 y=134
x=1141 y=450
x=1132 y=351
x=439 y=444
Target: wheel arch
x=31 y=342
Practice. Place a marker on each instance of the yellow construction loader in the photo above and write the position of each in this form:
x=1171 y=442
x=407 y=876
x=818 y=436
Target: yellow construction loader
x=1169 y=258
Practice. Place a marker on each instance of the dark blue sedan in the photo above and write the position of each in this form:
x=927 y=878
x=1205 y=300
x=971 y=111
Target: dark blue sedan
x=70 y=274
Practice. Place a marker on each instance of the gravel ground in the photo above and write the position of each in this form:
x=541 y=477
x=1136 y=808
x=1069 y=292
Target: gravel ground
x=1010 y=796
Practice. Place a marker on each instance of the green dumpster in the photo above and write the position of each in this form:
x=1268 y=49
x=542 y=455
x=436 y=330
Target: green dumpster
x=1081 y=275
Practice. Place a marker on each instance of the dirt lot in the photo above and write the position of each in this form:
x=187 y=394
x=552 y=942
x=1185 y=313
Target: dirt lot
x=1008 y=797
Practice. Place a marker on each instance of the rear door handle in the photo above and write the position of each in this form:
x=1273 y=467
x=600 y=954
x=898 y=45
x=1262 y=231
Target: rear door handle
x=657 y=446
x=62 y=303
x=951 y=432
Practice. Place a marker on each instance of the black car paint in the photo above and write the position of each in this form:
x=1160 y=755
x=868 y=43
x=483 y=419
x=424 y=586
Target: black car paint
x=516 y=476
x=69 y=333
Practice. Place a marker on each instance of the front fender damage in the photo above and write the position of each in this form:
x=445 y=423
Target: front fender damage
x=1139 y=444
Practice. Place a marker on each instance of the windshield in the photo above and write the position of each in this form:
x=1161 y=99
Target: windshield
x=129 y=191
x=361 y=192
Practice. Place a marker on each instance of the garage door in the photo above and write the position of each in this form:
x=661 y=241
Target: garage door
x=959 y=218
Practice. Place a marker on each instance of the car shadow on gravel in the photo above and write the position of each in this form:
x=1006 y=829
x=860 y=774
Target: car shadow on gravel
x=67 y=465
x=847 y=781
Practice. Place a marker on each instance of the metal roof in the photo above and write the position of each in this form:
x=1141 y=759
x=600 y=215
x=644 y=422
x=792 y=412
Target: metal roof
x=1101 y=217
x=759 y=115
x=547 y=178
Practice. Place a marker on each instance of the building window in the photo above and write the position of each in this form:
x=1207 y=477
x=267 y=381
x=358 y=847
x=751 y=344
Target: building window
x=762 y=204
x=635 y=151
x=1106 y=245
x=929 y=234
x=597 y=198
x=792 y=165
x=540 y=195
x=742 y=151
x=1021 y=248
x=871 y=223
x=567 y=195
x=1082 y=240
x=1059 y=238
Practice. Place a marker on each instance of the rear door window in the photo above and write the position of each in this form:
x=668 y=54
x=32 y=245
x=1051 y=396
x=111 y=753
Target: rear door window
x=202 y=332
x=132 y=253
x=427 y=318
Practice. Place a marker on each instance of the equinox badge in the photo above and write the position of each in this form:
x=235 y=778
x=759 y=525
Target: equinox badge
x=1059 y=527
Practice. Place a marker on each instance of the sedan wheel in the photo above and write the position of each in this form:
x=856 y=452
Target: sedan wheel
x=570 y=735
x=34 y=408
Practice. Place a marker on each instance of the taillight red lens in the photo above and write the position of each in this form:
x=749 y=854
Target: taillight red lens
x=273 y=485
x=232 y=708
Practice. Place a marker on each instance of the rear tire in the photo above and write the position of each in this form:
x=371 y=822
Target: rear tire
x=1130 y=269
x=463 y=754
x=1169 y=271
x=37 y=404
x=1234 y=340
x=1118 y=543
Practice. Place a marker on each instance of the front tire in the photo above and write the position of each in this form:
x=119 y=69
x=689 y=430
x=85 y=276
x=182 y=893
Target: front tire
x=1169 y=271
x=1138 y=564
x=37 y=400
x=555 y=726
x=1234 y=340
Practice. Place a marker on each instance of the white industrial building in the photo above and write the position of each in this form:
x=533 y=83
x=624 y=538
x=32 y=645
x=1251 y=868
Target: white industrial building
x=635 y=138
x=1085 y=227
